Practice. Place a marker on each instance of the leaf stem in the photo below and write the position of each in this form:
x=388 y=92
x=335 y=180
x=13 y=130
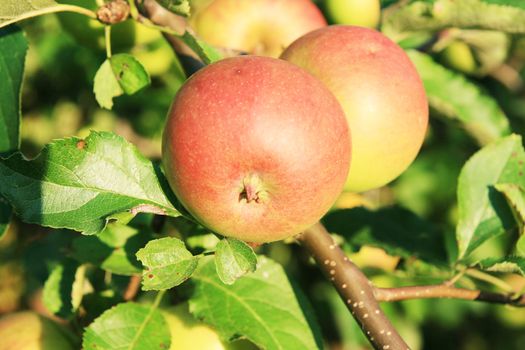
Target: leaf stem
x=482 y=276
x=107 y=35
x=152 y=309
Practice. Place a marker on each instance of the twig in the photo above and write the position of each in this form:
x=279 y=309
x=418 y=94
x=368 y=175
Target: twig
x=133 y=288
x=446 y=291
x=354 y=288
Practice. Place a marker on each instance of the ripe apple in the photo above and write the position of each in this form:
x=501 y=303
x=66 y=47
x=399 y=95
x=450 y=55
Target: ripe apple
x=263 y=27
x=188 y=333
x=364 y=13
x=30 y=331
x=380 y=91
x=256 y=148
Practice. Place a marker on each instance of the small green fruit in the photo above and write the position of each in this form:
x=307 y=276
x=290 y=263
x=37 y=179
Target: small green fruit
x=363 y=13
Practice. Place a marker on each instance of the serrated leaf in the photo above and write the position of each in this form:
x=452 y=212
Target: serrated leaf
x=63 y=289
x=396 y=230
x=515 y=196
x=509 y=264
x=5 y=216
x=233 y=259
x=453 y=95
x=120 y=74
x=128 y=326
x=260 y=306
x=113 y=249
x=167 y=263
x=13 y=49
x=432 y=15
x=482 y=211
x=207 y=53
x=78 y=184
x=179 y=7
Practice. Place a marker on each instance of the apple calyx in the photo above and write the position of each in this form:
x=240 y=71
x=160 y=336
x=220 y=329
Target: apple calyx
x=252 y=190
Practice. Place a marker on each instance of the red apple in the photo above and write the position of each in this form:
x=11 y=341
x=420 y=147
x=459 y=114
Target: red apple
x=264 y=27
x=256 y=148
x=380 y=91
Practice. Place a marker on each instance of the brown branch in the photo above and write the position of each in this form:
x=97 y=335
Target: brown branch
x=132 y=288
x=354 y=288
x=446 y=291
x=158 y=15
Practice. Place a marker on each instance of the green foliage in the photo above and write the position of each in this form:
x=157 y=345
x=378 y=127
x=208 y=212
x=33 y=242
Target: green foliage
x=433 y=15
x=119 y=74
x=80 y=184
x=13 y=48
x=483 y=212
x=455 y=97
x=63 y=289
x=167 y=263
x=16 y=10
x=113 y=249
x=396 y=230
x=233 y=259
x=260 y=306
x=179 y=7
x=128 y=326
x=513 y=264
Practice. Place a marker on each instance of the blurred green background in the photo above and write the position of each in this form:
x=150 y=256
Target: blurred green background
x=58 y=101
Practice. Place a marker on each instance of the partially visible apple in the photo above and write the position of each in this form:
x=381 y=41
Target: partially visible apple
x=458 y=55
x=263 y=27
x=188 y=333
x=364 y=13
x=30 y=331
x=380 y=91
x=256 y=148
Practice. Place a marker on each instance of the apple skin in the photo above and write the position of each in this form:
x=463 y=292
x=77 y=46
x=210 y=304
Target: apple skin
x=188 y=333
x=30 y=331
x=380 y=91
x=262 y=27
x=256 y=148
x=364 y=13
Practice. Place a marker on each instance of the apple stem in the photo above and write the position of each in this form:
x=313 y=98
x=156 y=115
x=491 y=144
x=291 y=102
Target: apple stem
x=354 y=287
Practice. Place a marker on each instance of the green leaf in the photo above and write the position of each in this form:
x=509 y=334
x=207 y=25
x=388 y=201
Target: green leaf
x=129 y=73
x=233 y=259
x=122 y=73
x=515 y=196
x=63 y=289
x=13 y=49
x=179 y=7
x=453 y=95
x=113 y=249
x=396 y=230
x=5 y=216
x=482 y=211
x=207 y=53
x=426 y=15
x=106 y=86
x=16 y=10
x=520 y=245
x=509 y=264
x=128 y=326
x=78 y=184
x=167 y=263
x=260 y=306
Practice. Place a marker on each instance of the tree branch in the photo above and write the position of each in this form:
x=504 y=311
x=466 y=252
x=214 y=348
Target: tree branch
x=354 y=288
x=446 y=291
